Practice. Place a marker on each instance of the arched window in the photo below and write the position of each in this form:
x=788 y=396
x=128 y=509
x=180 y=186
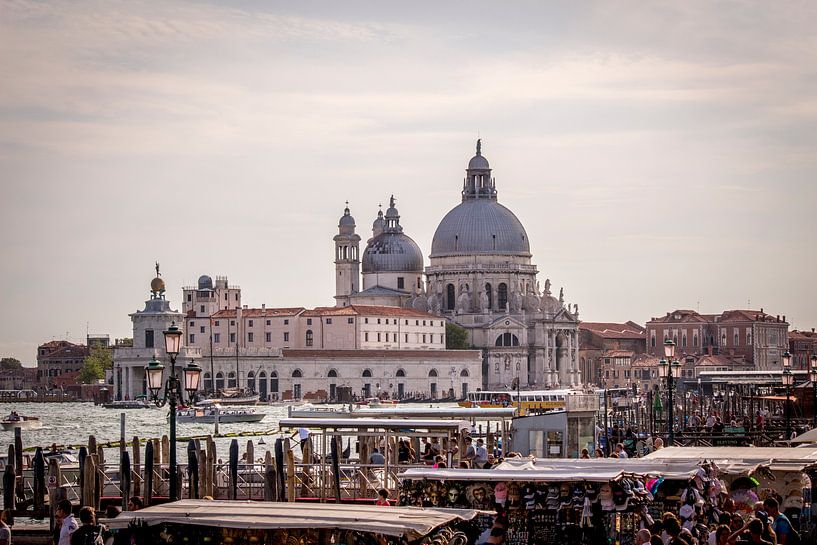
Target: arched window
x=367 y=373
x=450 y=297
x=231 y=382
x=273 y=382
x=502 y=296
x=490 y=293
x=309 y=337
x=251 y=381
x=219 y=381
x=507 y=339
x=208 y=382
x=332 y=374
x=464 y=373
x=432 y=373
x=400 y=373
x=297 y=373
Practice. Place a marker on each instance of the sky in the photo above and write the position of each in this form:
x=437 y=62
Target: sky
x=659 y=154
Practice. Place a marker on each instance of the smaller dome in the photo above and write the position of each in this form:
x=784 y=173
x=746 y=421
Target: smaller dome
x=205 y=282
x=346 y=220
x=157 y=284
x=478 y=162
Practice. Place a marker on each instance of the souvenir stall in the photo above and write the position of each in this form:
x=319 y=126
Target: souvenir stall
x=199 y=522
x=749 y=475
x=587 y=505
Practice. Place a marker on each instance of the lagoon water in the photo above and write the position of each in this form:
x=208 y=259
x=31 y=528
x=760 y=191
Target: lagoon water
x=70 y=424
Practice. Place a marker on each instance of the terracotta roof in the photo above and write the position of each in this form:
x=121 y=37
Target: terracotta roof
x=743 y=316
x=258 y=312
x=714 y=361
x=73 y=351
x=645 y=360
x=384 y=354
x=683 y=316
x=802 y=335
x=57 y=344
x=611 y=330
x=618 y=354
x=369 y=310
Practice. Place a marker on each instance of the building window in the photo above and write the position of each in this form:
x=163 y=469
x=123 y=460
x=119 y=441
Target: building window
x=216 y=338
x=406 y=337
x=286 y=336
x=216 y=323
x=236 y=297
x=737 y=338
x=192 y=323
x=365 y=320
x=450 y=297
x=332 y=374
x=309 y=337
x=502 y=296
x=432 y=339
x=366 y=336
x=189 y=297
x=201 y=309
x=192 y=338
x=268 y=337
x=424 y=322
x=748 y=337
x=232 y=322
x=286 y=322
x=507 y=339
x=148 y=338
x=249 y=337
x=424 y=338
x=695 y=339
x=350 y=320
x=400 y=373
x=309 y=321
x=269 y=322
x=232 y=337
x=201 y=329
x=378 y=337
x=684 y=340
x=400 y=283
x=378 y=320
x=329 y=321
x=490 y=295
x=250 y=323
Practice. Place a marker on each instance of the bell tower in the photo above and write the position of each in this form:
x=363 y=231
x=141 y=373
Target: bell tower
x=347 y=259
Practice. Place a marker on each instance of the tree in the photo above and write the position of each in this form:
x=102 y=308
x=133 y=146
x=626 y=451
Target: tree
x=456 y=337
x=10 y=364
x=96 y=363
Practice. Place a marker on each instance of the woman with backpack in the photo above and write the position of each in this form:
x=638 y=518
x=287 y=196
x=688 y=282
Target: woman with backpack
x=90 y=533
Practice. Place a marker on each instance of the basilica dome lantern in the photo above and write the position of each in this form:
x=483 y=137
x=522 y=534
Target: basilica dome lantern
x=391 y=258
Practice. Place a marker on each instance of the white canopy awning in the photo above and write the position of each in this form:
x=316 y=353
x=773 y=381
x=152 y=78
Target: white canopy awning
x=409 y=522
x=565 y=475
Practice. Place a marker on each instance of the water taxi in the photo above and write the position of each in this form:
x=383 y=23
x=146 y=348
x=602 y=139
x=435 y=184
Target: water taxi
x=209 y=414
x=14 y=420
x=525 y=400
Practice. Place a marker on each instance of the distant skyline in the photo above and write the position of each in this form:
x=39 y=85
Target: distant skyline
x=659 y=155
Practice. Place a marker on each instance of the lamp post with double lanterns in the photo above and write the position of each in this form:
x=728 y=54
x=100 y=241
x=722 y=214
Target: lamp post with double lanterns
x=788 y=381
x=812 y=375
x=668 y=369
x=172 y=392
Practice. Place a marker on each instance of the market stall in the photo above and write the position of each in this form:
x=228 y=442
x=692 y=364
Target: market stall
x=196 y=522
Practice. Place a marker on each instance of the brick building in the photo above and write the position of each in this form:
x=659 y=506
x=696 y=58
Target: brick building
x=607 y=347
x=749 y=337
x=802 y=346
x=56 y=358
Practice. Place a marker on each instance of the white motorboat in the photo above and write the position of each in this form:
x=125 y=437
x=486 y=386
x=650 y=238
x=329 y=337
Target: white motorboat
x=208 y=415
x=140 y=402
x=14 y=420
x=233 y=397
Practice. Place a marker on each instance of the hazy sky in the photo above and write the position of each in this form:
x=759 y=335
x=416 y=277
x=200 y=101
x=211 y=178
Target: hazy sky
x=660 y=155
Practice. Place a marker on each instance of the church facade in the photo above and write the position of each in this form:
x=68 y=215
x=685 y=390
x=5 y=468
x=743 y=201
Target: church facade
x=480 y=276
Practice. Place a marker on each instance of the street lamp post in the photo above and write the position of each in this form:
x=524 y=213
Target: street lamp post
x=788 y=380
x=666 y=371
x=172 y=394
x=812 y=375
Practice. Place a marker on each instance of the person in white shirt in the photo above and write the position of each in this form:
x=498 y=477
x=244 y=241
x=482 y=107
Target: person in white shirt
x=69 y=523
x=620 y=451
x=481 y=455
x=643 y=537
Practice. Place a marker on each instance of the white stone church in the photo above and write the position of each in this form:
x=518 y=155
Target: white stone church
x=385 y=337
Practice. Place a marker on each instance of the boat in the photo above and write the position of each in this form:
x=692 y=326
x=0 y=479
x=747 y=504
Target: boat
x=525 y=400
x=140 y=402
x=14 y=420
x=233 y=397
x=208 y=415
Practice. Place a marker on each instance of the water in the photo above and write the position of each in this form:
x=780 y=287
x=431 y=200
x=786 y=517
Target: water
x=70 y=424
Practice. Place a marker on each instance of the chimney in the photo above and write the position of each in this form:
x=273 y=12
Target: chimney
x=263 y=306
x=812 y=330
x=244 y=307
x=761 y=310
x=778 y=317
x=784 y=317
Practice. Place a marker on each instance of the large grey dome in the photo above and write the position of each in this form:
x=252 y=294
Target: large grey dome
x=392 y=252
x=480 y=226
